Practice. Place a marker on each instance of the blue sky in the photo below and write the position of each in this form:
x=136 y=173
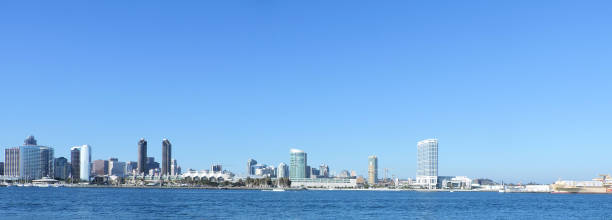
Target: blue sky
x=513 y=90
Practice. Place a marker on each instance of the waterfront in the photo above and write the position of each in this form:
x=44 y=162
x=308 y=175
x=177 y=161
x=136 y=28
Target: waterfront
x=131 y=203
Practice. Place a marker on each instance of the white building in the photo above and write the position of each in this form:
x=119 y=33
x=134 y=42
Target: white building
x=116 y=168
x=427 y=163
x=282 y=171
x=324 y=183
x=212 y=176
x=85 y=163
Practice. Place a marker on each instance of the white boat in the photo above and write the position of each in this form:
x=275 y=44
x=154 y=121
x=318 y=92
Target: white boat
x=42 y=185
x=278 y=190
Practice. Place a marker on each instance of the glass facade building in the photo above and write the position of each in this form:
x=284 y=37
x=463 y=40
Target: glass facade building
x=166 y=157
x=142 y=156
x=297 y=164
x=75 y=155
x=85 y=163
x=372 y=169
x=427 y=163
x=29 y=161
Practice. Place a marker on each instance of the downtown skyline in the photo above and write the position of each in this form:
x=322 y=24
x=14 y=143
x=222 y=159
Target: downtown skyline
x=513 y=92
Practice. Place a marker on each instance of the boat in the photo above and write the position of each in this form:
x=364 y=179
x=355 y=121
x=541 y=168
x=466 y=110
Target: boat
x=602 y=185
x=278 y=190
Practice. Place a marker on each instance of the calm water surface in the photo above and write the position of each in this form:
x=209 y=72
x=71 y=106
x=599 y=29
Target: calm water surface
x=111 y=203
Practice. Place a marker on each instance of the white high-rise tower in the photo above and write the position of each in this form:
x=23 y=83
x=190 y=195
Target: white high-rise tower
x=85 y=160
x=427 y=163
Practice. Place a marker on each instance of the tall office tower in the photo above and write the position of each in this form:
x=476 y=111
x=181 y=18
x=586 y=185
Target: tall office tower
x=29 y=161
x=216 y=168
x=250 y=164
x=131 y=167
x=85 y=163
x=308 y=171
x=297 y=164
x=151 y=164
x=324 y=170
x=314 y=172
x=173 y=168
x=1 y=168
x=427 y=163
x=116 y=168
x=75 y=165
x=372 y=170
x=282 y=171
x=11 y=162
x=166 y=157
x=100 y=167
x=142 y=157
x=61 y=168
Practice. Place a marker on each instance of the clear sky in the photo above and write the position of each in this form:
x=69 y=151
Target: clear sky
x=513 y=90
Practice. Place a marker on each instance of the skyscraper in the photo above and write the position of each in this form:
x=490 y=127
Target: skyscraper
x=372 y=170
x=250 y=164
x=216 y=168
x=85 y=163
x=142 y=156
x=297 y=164
x=29 y=161
x=100 y=167
x=166 y=157
x=283 y=171
x=174 y=168
x=427 y=163
x=131 y=167
x=116 y=168
x=61 y=168
x=75 y=165
x=324 y=171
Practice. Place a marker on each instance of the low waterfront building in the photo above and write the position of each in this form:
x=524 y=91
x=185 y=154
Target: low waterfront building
x=210 y=175
x=454 y=182
x=323 y=183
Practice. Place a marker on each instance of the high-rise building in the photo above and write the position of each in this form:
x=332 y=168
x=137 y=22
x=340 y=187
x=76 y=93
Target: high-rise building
x=372 y=170
x=151 y=164
x=427 y=163
x=166 y=157
x=85 y=163
x=116 y=168
x=297 y=164
x=75 y=165
x=1 y=168
x=282 y=171
x=29 y=161
x=100 y=167
x=324 y=171
x=174 y=168
x=61 y=168
x=314 y=172
x=142 y=156
x=216 y=168
x=250 y=164
x=131 y=167
x=11 y=162
x=308 y=171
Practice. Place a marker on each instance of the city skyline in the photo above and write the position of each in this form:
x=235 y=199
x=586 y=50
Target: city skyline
x=514 y=91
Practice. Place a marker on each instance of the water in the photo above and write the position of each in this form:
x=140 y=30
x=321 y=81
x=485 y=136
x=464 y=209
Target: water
x=104 y=203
